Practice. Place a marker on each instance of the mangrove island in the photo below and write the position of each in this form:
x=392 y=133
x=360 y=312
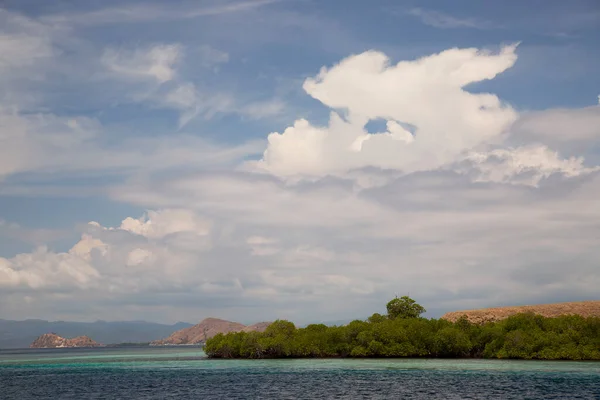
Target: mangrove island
x=404 y=333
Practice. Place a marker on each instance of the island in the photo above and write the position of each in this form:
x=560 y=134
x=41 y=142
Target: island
x=52 y=341
x=571 y=331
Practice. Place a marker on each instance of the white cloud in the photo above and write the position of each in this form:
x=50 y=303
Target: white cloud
x=46 y=143
x=183 y=96
x=98 y=259
x=210 y=57
x=151 y=12
x=159 y=63
x=45 y=61
x=139 y=256
x=560 y=126
x=191 y=102
x=426 y=94
x=445 y=21
x=160 y=224
x=309 y=254
x=86 y=245
x=263 y=109
x=254 y=240
x=22 y=50
x=30 y=142
x=435 y=234
x=156 y=62
x=45 y=269
x=526 y=165
x=28 y=53
x=262 y=246
x=258 y=199
x=24 y=42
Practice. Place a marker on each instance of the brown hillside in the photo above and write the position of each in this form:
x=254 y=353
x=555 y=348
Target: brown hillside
x=206 y=329
x=584 y=308
x=51 y=340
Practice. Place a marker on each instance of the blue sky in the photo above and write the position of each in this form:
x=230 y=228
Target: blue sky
x=255 y=159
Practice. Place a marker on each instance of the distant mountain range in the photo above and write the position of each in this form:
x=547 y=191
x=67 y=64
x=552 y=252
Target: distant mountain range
x=20 y=334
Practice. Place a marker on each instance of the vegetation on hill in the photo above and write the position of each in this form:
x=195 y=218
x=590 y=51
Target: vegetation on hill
x=403 y=333
x=589 y=308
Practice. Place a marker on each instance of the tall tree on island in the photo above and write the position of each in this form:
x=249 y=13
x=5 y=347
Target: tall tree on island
x=404 y=307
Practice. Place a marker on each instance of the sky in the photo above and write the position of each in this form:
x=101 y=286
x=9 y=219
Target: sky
x=298 y=159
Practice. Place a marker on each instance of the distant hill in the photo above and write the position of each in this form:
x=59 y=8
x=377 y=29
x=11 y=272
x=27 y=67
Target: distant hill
x=53 y=341
x=584 y=308
x=259 y=327
x=206 y=329
x=338 y=322
x=20 y=334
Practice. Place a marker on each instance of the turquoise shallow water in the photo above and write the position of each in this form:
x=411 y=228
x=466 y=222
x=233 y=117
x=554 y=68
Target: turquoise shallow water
x=184 y=372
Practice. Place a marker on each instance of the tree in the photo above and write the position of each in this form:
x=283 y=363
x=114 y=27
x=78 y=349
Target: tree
x=404 y=307
x=281 y=327
x=375 y=318
x=451 y=342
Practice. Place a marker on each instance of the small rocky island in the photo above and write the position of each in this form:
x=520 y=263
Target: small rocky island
x=53 y=341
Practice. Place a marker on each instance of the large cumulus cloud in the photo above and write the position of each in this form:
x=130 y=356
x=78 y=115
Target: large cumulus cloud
x=431 y=118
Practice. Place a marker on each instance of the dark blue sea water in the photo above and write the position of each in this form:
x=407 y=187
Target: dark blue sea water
x=184 y=373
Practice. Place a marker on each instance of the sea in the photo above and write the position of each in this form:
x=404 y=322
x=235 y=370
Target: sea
x=186 y=373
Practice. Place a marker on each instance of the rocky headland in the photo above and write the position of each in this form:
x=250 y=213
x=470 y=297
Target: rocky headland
x=52 y=340
x=583 y=308
x=206 y=329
